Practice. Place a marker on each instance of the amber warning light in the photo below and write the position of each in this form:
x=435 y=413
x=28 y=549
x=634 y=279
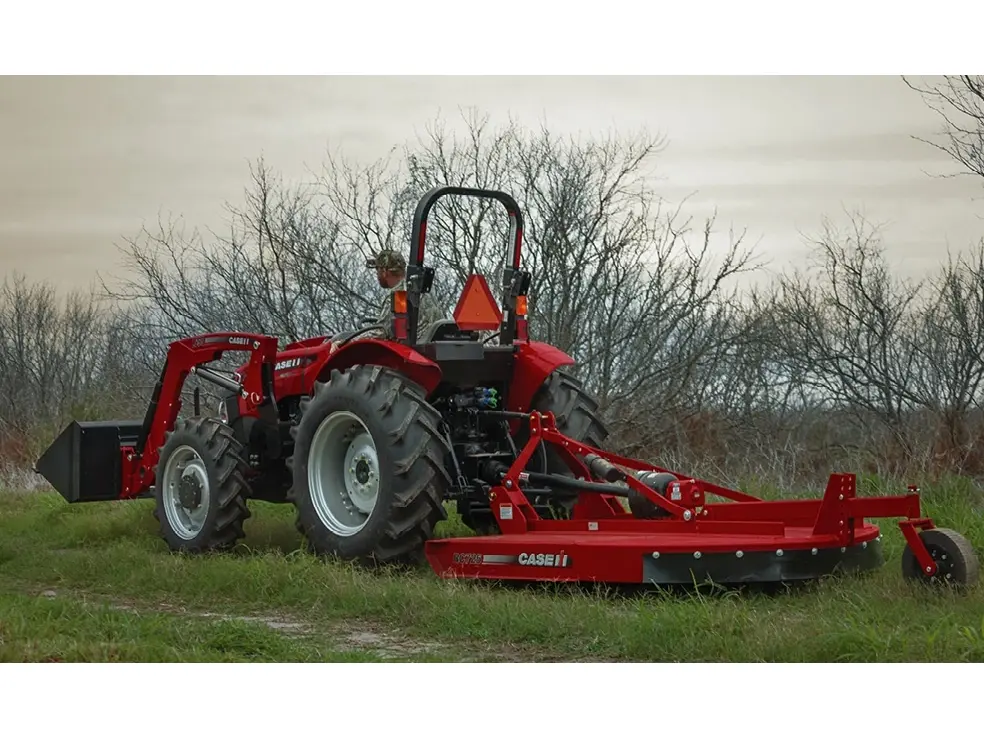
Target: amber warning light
x=400 y=302
x=477 y=310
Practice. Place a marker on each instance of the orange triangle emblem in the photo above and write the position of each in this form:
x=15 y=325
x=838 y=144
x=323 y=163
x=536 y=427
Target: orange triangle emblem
x=477 y=309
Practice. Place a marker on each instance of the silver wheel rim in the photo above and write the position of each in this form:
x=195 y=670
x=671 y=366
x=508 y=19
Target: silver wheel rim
x=185 y=492
x=343 y=473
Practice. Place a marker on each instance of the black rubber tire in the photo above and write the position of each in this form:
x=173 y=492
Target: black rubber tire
x=643 y=508
x=576 y=414
x=957 y=561
x=411 y=453
x=226 y=471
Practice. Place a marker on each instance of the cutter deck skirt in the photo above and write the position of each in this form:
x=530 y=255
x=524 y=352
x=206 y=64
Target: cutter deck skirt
x=655 y=558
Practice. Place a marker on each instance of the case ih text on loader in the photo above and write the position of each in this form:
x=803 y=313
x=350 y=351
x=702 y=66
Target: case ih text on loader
x=369 y=441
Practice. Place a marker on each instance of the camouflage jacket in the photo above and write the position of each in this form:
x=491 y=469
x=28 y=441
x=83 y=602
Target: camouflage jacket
x=429 y=314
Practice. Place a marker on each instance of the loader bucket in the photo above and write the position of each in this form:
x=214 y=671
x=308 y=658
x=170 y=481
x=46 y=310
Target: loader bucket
x=84 y=463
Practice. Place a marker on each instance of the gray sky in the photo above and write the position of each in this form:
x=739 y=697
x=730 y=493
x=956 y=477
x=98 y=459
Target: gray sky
x=87 y=161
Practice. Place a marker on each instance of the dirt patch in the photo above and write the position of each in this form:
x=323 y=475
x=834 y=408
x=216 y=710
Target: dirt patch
x=387 y=643
x=372 y=638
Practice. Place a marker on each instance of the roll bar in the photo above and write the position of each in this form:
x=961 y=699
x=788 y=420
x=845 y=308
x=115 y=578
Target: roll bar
x=419 y=235
x=514 y=281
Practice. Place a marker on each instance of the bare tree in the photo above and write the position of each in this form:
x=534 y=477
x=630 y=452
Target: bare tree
x=57 y=360
x=624 y=282
x=618 y=281
x=284 y=269
x=959 y=102
x=688 y=363
x=950 y=346
x=850 y=333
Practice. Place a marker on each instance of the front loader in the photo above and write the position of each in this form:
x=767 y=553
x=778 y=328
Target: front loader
x=369 y=438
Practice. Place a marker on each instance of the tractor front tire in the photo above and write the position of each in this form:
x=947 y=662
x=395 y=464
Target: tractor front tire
x=201 y=490
x=368 y=467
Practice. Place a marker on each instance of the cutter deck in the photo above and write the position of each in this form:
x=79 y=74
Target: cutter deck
x=655 y=558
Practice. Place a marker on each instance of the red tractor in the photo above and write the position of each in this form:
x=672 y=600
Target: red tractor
x=369 y=438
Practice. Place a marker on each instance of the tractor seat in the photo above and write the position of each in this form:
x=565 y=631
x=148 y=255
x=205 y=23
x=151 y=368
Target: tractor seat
x=446 y=330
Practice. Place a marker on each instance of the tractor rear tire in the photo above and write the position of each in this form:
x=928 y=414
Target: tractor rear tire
x=575 y=411
x=201 y=490
x=576 y=414
x=368 y=467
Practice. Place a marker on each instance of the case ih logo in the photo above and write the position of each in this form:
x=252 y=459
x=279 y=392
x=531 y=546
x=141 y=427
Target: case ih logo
x=524 y=559
x=529 y=559
x=287 y=364
x=231 y=340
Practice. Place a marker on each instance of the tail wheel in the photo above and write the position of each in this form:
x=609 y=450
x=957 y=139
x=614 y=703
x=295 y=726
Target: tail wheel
x=956 y=562
x=201 y=489
x=368 y=467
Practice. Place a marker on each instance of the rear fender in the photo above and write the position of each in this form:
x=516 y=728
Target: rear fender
x=535 y=361
x=371 y=351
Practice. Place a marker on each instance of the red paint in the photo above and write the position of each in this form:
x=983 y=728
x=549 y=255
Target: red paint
x=371 y=351
x=304 y=343
x=182 y=356
x=603 y=556
x=320 y=360
x=915 y=541
x=522 y=330
x=396 y=356
x=535 y=361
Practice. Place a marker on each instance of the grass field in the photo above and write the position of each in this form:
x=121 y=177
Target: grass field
x=95 y=583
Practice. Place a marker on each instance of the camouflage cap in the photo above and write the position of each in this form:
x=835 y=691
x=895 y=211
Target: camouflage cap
x=387 y=259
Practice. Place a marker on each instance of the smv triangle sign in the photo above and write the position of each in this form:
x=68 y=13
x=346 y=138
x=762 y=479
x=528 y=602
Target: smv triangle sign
x=477 y=309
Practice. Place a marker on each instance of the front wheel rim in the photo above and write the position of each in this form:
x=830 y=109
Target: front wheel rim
x=185 y=492
x=343 y=473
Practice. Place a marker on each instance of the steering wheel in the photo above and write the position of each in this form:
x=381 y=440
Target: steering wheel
x=343 y=337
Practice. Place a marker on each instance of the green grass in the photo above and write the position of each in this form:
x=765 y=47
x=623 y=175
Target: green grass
x=94 y=582
x=35 y=628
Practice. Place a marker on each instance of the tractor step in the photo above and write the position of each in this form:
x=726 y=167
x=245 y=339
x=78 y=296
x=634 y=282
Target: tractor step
x=654 y=558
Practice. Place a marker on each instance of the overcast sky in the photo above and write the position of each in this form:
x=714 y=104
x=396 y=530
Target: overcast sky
x=87 y=161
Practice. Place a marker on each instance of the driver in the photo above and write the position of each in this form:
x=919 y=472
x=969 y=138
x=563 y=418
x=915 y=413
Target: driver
x=391 y=271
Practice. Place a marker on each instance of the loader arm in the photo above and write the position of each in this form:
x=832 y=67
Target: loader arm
x=185 y=357
x=98 y=460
